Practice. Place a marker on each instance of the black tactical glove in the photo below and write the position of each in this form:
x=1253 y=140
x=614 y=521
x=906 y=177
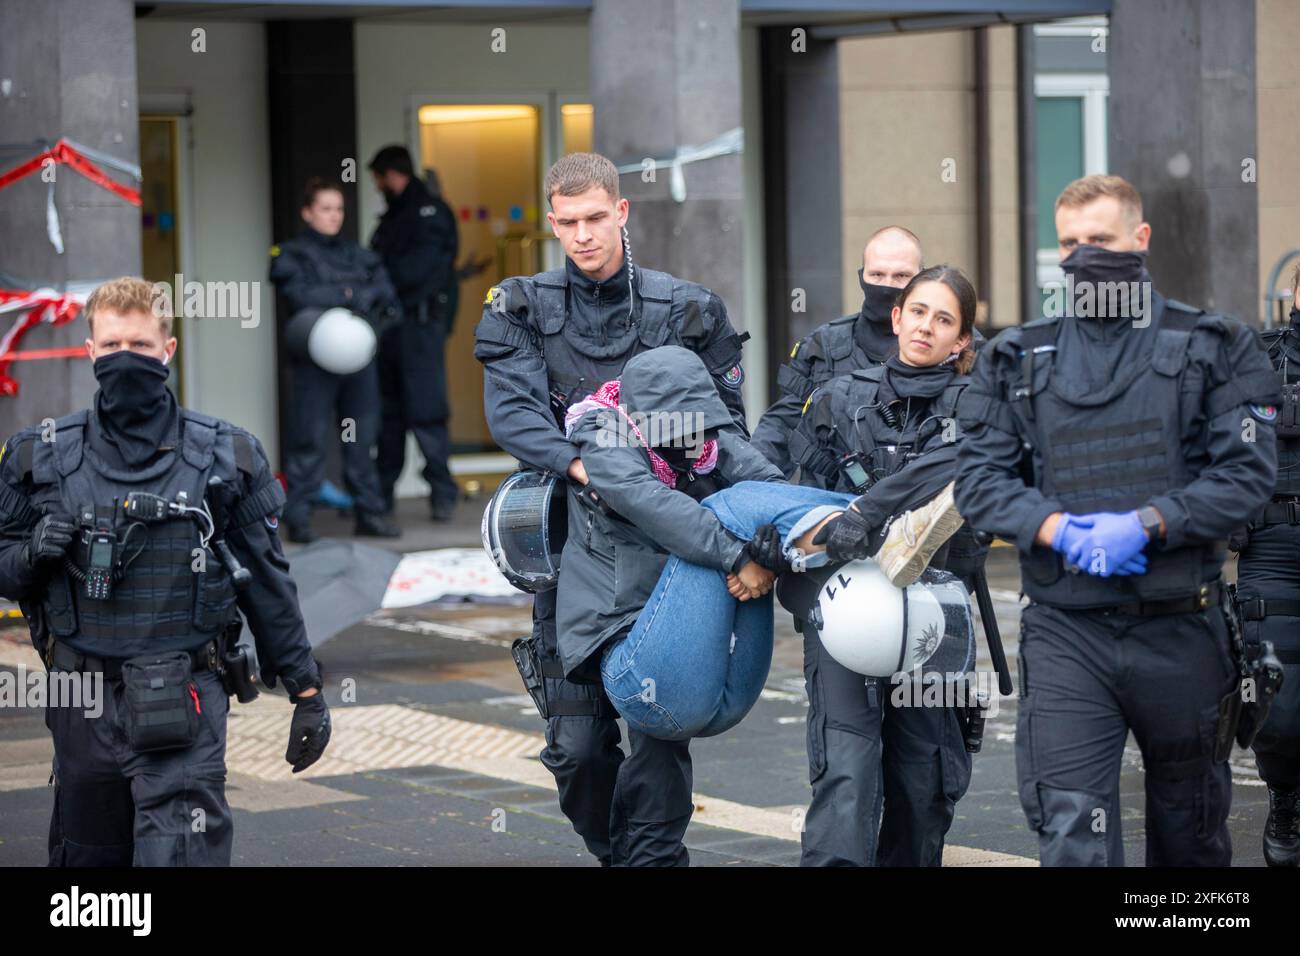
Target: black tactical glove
x=309 y=732
x=766 y=551
x=847 y=537
x=50 y=539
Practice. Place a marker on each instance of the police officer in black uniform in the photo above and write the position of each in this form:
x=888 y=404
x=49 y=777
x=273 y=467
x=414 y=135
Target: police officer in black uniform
x=546 y=342
x=1116 y=443
x=130 y=532
x=1268 y=588
x=417 y=239
x=322 y=269
x=889 y=429
x=889 y=260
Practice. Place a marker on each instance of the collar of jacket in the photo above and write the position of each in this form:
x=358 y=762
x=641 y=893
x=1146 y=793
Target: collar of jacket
x=607 y=292
x=320 y=239
x=415 y=193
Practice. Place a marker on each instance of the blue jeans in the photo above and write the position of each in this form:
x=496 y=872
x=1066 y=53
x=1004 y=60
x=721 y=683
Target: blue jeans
x=696 y=659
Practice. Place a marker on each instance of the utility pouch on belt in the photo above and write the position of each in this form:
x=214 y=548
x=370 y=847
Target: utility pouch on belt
x=236 y=669
x=524 y=651
x=162 y=702
x=1288 y=421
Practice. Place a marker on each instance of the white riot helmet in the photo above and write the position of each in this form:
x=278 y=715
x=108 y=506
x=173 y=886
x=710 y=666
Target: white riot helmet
x=337 y=340
x=876 y=629
x=525 y=525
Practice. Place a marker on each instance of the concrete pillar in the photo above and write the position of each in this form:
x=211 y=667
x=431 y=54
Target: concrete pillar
x=1182 y=123
x=804 y=179
x=67 y=69
x=664 y=74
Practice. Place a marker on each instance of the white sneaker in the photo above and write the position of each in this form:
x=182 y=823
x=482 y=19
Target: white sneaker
x=915 y=536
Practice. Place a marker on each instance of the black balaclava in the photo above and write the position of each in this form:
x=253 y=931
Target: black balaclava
x=1102 y=353
x=874 y=330
x=1097 y=265
x=133 y=406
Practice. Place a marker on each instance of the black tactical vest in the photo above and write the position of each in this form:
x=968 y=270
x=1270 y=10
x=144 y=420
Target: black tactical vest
x=833 y=351
x=577 y=366
x=1283 y=347
x=881 y=449
x=884 y=446
x=1111 y=455
x=174 y=594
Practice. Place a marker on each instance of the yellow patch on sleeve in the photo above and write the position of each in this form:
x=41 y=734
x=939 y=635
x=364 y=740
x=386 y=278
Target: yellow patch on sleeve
x=806 y=402
x=487 y=299
x=275 y=251
x=2 y=451
x=794 y=351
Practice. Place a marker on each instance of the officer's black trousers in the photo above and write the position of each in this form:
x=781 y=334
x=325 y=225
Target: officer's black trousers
x=115 y=807
x=1270 y=569
x=413 y=388
x=886 y=779
x=630 y=811
x=321 y=403
x=1089 y=678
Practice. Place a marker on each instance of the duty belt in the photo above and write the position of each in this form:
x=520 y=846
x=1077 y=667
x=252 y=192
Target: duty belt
x=1281 y=512
x=1209 y=595
x=1256 y=609
x=62 y=657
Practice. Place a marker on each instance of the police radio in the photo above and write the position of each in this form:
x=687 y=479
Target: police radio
x=100 y=549
x=854 y=469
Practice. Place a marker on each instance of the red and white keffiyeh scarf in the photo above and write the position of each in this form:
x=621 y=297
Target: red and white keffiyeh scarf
x=607 y=397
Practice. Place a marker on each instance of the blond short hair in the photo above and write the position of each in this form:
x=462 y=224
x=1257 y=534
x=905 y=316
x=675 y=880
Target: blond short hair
x=1091 y=188
x=129 y=294
x=575 y=173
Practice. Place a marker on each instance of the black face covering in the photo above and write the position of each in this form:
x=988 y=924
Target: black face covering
x=874 y=330
x=134 y=407
x=914 y=381
x=1295 y=315
x=877 y=300
x=1095 y=265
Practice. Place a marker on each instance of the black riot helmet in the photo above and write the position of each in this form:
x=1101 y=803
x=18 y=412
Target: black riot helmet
x=524 y=528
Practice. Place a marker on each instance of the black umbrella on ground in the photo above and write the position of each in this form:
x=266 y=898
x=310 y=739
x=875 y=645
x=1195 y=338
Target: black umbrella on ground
x=339 y=583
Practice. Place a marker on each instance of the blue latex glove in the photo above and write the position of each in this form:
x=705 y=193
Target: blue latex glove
x=1071 y=532
x=1134 y=565
x=1112 y=541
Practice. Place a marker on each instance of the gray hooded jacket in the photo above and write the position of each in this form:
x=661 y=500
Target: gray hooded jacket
x=611 y=562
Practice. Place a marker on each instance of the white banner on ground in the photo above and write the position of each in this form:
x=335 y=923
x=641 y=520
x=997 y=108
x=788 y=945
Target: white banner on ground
x=465 y=574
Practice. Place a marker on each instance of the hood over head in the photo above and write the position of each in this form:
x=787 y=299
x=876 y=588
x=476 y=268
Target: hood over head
x=670 y=393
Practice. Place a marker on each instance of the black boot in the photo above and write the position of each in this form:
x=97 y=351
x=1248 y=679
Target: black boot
x=1282 y=829
x=375 y=526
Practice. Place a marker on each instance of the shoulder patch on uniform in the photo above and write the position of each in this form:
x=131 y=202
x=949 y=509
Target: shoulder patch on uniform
x=272 y=522
x=494 y=291
x=733 y=376
x=275 y=250
x=428 y=210
x=795 y=351
x=2 y=452
x=1265 y=413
